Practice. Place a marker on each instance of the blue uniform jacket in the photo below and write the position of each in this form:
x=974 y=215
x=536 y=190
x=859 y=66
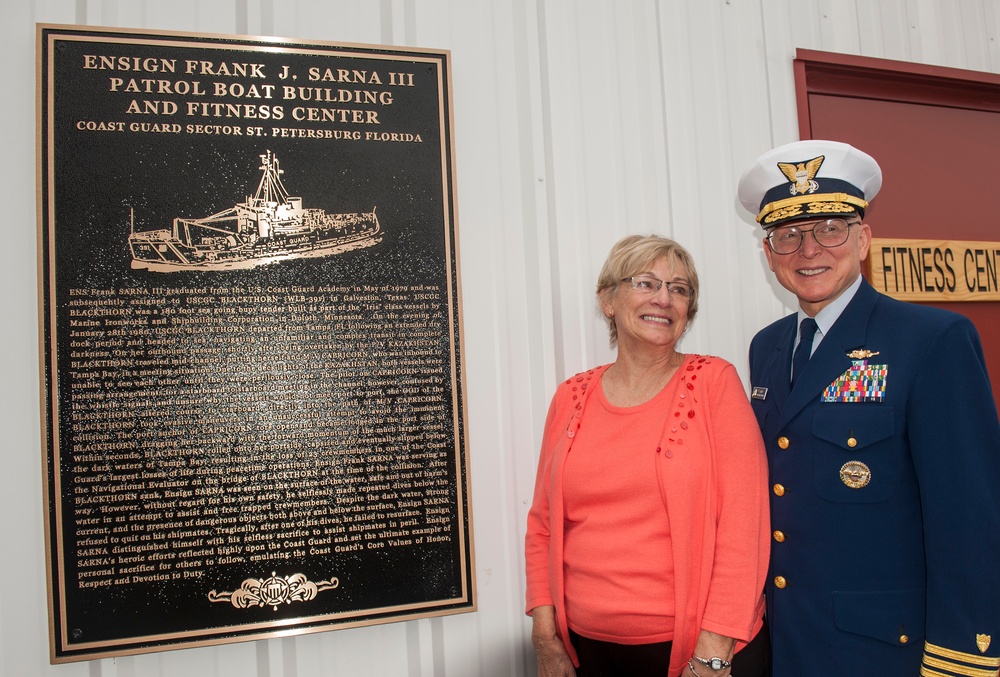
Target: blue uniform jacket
x=885 y=495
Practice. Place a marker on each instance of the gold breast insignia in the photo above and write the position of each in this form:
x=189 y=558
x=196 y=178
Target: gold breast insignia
x=855 y=474
x=861 y=354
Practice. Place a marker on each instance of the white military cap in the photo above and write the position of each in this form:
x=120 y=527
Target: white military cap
x=807 y=180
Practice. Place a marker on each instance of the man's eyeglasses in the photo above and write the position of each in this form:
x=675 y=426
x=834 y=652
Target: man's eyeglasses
x=828 y=233
x=647 y=284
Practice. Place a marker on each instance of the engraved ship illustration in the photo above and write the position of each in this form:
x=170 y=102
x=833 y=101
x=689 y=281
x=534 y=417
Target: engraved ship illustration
x=270 y=226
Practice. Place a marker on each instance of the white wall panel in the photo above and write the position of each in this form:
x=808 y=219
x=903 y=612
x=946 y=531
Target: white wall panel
x=576 y=122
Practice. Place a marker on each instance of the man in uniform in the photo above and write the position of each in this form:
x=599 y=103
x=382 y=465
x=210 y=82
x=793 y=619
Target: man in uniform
x=883 y=445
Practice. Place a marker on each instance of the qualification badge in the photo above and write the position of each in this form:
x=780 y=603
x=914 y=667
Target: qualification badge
x=855 y=474
x=861 y=354
x=862 y=382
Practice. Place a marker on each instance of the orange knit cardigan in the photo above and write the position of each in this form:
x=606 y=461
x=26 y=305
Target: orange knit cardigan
x=712 y=474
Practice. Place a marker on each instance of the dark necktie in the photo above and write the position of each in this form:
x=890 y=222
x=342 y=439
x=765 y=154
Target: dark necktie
x=806 y=330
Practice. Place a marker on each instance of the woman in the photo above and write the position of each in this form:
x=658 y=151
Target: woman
x=647 y=541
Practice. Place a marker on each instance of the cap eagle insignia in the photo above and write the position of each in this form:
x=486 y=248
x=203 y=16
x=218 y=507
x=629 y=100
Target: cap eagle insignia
x=801 y=175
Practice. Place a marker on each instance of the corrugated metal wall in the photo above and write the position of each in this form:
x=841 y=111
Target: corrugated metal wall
x=577 y=122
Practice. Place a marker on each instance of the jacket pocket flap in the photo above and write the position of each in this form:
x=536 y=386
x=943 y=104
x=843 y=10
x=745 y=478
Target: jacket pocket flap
x=894 y=616
x=863 y=424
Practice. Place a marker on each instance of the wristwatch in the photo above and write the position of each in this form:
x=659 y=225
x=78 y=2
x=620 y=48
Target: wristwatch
x=714 y=663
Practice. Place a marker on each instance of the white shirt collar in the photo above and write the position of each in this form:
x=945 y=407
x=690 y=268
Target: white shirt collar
x=826 y=318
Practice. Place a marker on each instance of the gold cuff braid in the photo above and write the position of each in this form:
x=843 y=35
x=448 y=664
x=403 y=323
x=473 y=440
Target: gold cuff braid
x=956 y=662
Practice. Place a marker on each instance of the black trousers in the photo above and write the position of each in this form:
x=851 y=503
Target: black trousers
x=608 y=659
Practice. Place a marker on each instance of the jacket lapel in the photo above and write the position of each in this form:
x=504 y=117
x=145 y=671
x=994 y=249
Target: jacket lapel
x=830 y=359
x=777 y=364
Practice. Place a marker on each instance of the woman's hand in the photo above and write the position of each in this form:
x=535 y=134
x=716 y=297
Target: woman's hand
x=553 y=661
x=712 y=645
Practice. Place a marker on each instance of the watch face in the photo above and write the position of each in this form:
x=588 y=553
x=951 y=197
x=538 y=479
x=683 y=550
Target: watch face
x=716 y=663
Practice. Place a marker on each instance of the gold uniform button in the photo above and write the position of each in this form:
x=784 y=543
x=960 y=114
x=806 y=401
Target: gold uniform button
x=779 y=536
x=903 y=639
x=779 y=490
x=851 y=442
x=780 y=582
x=783 y=442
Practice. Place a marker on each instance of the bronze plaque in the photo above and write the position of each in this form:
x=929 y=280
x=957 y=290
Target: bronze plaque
x=251 y=339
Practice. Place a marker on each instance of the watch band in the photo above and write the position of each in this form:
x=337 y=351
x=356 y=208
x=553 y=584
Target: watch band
x=714 y=663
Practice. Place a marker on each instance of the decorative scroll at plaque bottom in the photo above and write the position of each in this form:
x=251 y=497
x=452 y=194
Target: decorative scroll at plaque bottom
x=273 y=591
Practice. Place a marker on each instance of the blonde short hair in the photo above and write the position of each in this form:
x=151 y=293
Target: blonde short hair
x=635 y=254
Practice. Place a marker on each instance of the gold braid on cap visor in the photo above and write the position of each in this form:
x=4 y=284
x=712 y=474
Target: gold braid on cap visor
x=824 y=203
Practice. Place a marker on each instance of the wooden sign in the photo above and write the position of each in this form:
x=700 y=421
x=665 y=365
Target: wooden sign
x=935 y=270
